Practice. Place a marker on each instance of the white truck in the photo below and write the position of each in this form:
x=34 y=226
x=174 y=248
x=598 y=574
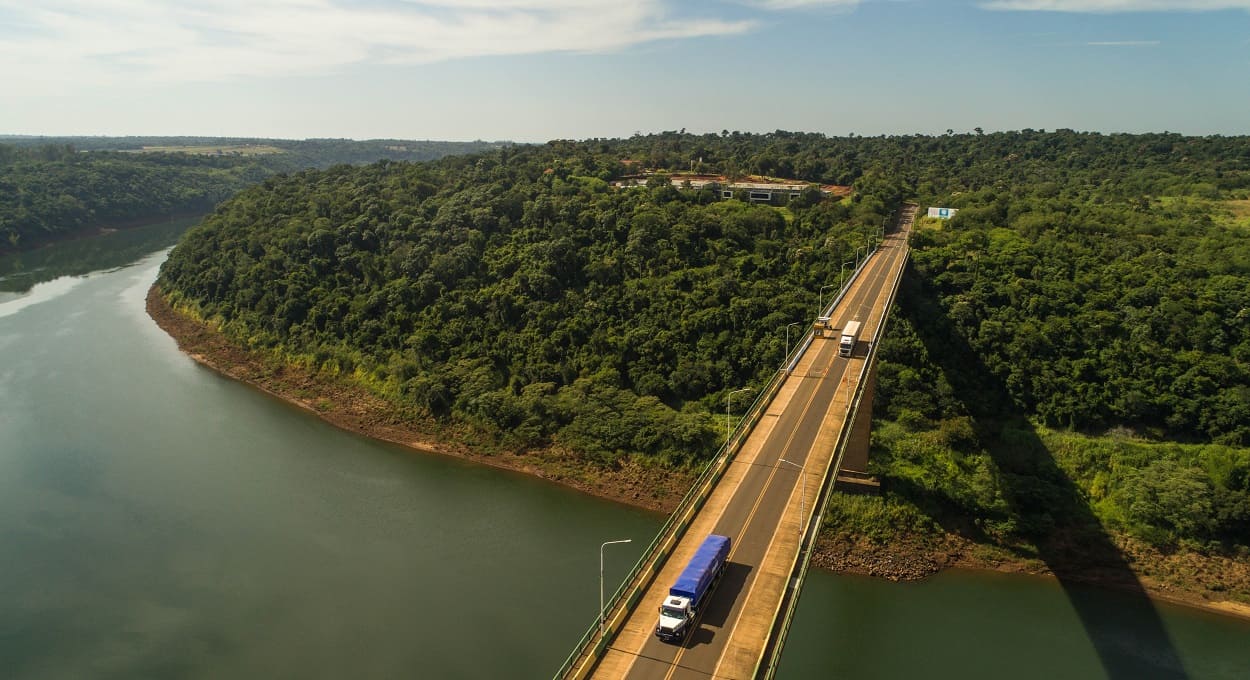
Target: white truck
x=850 y=335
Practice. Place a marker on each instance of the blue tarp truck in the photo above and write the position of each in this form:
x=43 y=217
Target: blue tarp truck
x=687 y=594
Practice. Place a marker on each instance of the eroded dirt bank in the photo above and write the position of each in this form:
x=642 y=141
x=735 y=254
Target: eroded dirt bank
x=1213 y=582
x=353 y=408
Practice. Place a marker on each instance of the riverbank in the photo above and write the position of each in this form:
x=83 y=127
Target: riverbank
x=1209 y=582
x=353 y=408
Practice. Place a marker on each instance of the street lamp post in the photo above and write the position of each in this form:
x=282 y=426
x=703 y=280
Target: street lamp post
x=842 y=271
x=792 y=323
x=802 y=493
x=728 y=399
x=602 y=613
x=820 y=298
x=857 y=256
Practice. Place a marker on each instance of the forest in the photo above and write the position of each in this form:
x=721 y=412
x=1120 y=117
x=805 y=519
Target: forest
x=54 y=187
x=1071 y=347
x=519 y=294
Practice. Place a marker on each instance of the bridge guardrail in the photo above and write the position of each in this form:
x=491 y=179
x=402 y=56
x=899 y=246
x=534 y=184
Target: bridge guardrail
x=592 y=646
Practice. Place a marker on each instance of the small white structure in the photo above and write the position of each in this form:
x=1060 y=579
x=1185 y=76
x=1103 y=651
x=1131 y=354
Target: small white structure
x=943 y=213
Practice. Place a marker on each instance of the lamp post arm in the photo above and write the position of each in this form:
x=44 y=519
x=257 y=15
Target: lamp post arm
x=602 y=613
x=802 y=491
x=728 y=400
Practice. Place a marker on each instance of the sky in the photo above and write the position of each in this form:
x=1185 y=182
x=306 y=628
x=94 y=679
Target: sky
x=534 y=70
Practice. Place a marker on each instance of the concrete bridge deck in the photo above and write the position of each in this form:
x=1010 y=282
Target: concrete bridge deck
x=763 y=503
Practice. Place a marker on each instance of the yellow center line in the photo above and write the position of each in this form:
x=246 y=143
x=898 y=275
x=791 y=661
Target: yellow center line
x=715 y=673
x=737 y=543
x=777 y=534
x=857 y=302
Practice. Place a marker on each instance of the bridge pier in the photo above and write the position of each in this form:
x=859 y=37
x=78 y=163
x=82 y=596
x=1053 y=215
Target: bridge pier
x=853 y=476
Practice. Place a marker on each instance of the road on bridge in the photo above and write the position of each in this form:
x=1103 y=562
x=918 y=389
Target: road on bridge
x=758 y=503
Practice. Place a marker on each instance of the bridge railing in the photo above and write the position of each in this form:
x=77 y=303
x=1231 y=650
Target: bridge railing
x=767 y=666
x=592 y=645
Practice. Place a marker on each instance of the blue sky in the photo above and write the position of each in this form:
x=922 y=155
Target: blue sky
x=532 y=70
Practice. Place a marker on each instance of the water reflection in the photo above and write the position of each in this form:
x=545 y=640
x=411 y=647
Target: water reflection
x=160 y=521
x=973 y=625
x=22 y=271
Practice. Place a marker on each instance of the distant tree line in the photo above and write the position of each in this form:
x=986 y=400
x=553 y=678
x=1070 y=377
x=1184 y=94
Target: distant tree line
x=54 y=188
x=52 y=191
x=298 y=153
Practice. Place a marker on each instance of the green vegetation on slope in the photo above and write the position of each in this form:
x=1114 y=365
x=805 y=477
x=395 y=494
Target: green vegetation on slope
x=1084 y=285
x=1091 y=299
x=517 y=293
x=52 y=190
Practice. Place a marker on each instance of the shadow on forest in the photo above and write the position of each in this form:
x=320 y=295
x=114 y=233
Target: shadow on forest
x=1044 y=502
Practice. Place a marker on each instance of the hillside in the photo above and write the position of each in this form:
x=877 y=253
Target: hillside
x=518 y=294
x=52 y=188
x=1090 y=284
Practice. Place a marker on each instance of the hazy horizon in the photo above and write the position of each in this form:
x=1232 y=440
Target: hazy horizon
x=535 y=70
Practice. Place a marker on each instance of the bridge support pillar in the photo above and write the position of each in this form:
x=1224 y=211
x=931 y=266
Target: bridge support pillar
x=853 y=477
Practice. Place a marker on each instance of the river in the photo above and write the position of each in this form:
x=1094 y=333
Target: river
x=159 y=521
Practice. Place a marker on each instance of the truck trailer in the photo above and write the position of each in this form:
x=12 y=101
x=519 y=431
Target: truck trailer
x=687 y=594
x=850 y=335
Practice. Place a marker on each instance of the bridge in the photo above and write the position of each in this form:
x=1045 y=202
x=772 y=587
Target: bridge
x=806 y=434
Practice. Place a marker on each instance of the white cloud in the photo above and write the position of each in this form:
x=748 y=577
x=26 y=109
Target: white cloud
x=59 y=45
x=1110 y=6
x=1123 y=43
x=804 y=4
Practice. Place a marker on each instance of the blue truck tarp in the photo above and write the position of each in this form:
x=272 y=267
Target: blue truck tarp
x=699 y=573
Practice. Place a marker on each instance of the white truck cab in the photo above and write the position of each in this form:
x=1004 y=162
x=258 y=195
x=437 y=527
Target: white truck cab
x=850 y=335
x=675 y=613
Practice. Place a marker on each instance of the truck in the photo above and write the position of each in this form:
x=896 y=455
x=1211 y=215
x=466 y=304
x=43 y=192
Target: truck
x=850 y=334
x=688 y=593
x=823 y=327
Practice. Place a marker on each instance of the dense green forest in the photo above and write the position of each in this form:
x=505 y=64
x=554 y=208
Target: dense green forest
x=48 y=192
x=519 y=293
x=1090 y=283
x=52 y=188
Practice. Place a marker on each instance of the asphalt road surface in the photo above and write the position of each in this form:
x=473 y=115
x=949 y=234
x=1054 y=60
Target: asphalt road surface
x=753 y=515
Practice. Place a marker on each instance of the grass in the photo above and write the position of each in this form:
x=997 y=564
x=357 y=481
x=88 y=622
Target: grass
x=1236 y=212
x=1233 y=212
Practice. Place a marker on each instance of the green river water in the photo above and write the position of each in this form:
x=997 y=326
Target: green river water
x=159 y=521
